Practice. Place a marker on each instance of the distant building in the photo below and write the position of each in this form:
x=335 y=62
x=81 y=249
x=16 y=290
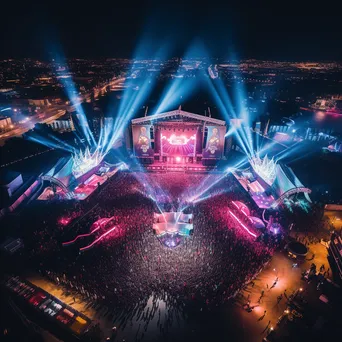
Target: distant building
x=97 y=123
x=335 y=253
x=5 y=123
x=81 y=120
x=39 y=102
x=331 y=104
x=108 y=122
x=63 y=124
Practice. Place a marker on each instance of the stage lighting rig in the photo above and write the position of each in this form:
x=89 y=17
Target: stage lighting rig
x=266 y=168
x=85 y=161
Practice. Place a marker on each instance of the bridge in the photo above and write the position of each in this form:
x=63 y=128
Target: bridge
x=289 y=193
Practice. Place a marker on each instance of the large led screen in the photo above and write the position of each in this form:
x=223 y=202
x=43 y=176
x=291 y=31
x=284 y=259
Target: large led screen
x=215 y=142
x=178 y=143
x=142 y=141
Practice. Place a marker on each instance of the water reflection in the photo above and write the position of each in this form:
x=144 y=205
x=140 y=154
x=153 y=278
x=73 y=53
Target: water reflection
x=319 y=116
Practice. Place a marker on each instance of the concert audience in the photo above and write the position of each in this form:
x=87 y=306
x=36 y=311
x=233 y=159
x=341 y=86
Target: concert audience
x=131 y=264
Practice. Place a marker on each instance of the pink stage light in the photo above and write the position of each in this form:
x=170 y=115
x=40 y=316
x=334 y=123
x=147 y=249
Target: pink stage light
x=242 y=225
x=97 y=225
x=79 y=236
x=178 y=140
x=97 y=240
x=64 y=221
x=178 y=159
x=241 y=209
x=244 y=212
x=235 y=204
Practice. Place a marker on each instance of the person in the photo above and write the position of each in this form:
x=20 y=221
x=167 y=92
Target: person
x=268 y=324
x=213 y=142
x=143 y=140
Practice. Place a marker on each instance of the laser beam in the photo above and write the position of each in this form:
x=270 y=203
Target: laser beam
x=97 y=240
x=242 y=225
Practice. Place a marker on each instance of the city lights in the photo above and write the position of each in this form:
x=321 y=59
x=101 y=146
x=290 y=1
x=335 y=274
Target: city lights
x=146 y=186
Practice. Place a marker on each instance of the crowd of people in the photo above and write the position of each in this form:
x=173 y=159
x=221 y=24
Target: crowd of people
x=131 y=264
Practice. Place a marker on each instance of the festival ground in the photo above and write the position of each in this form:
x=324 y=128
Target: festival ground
x=229 y=322
x=129 y=280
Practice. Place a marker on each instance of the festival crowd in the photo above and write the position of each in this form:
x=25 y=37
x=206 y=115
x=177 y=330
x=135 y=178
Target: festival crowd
x=131 y=265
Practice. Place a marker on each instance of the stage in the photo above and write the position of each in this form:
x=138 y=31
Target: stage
x=179 y=167
x=178 y=141
x=172 y=223
x=256 y=191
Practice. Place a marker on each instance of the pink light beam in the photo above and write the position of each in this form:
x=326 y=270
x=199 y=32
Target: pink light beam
x=79 y=236
x=97 y=240
x=242 y=225
x=241 y=209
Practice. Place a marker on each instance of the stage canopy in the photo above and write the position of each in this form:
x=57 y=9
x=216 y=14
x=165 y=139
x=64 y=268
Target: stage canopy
x=62 y=173
x=173 y=223
x=286 y=180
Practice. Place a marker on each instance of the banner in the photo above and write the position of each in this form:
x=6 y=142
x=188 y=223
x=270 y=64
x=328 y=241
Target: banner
x=215 y=142
x=178 y=143
x=142 y=141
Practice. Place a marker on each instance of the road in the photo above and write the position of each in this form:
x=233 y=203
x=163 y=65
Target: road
x=51 y=114
x=54 y=112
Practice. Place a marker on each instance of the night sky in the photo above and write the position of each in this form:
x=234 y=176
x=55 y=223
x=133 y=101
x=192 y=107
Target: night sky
x=280 y=31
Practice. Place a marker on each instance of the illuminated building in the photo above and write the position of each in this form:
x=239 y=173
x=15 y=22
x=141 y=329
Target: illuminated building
x=63 y=124
x=5 y=123
x=97 y=123
x=39 y=102
x=330 y=105
x=335 y=252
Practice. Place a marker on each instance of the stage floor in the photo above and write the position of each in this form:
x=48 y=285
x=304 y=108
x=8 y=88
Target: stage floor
x=261 y=199
x=181 y=167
